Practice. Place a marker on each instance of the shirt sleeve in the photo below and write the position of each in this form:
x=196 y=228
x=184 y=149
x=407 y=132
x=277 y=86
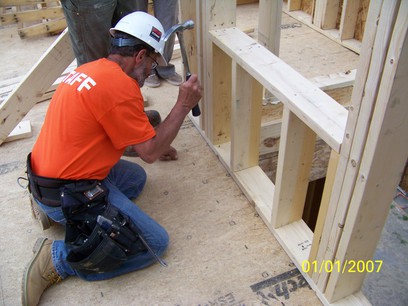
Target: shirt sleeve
x=127 y=124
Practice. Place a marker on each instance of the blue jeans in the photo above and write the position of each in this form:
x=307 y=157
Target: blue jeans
x=125 y=182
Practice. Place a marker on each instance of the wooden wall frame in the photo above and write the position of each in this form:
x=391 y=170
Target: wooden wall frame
x=359 y=184
x=337 y=19
x=358 y=137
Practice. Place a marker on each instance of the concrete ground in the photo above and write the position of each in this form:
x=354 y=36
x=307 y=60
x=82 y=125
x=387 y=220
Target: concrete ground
x=221 y=253
x=390 y=285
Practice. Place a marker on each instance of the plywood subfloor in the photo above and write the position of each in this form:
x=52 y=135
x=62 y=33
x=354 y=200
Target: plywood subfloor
x=221 y=252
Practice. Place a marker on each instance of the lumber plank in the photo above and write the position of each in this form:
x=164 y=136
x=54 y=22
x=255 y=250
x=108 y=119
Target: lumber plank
x=335 y=80
x=324 y=204
x=270 y=136
x=50 y=26
x=253 y=181
x=246 y=115
x=337 y=85
x=22 y=2
x=22 y=130
x=240 y=2
x=325 y=16
x=334 y=34
x=296 y=150
x=269 y=23
x=364 y=94
x=294 y=5
x=7 y=86
x=296 y=238
x=377 y=181
x=189 y=11
x=348 y=19
x=269 y=28
x=32 y=15
x=258 y=188
x=220 y=107
x=213 y=14
x=319 y=111
x=36 y=82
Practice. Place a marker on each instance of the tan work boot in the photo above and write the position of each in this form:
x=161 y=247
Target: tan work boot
x=40 y=273
x=40 y=215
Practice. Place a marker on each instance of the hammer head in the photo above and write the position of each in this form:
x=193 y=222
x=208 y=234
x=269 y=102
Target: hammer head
x=189 y=24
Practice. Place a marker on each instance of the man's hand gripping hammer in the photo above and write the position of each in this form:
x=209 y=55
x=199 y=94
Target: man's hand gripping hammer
x=178 y=29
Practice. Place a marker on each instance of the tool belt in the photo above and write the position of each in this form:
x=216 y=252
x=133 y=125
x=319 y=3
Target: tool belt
x=98 y=236
x=44 y=189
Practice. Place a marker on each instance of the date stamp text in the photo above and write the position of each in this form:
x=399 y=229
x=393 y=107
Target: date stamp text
x=348 y=266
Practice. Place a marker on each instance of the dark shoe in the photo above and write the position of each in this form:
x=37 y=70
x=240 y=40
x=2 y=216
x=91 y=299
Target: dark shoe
x=152 y=81
x=40 y=215
x=154 y=119
x=175 y=79
x=40 y=273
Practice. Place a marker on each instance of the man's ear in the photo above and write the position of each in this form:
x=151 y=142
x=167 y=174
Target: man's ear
x=140 y=56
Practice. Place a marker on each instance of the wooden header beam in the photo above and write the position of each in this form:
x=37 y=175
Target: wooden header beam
x=319 y=111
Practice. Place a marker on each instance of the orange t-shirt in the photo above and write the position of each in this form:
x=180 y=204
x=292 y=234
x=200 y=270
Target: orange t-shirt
x=95 y=113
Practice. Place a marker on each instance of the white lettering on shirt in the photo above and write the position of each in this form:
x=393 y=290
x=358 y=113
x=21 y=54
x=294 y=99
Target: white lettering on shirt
x=76 y=77
x=86 y=83
x=69 y=77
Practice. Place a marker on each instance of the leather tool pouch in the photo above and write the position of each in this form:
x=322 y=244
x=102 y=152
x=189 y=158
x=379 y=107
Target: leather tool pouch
x=98 y=236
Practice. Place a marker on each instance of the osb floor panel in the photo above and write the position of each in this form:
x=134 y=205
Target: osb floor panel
x=221 y=253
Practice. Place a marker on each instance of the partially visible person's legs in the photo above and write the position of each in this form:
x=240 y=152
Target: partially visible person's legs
x=88 y=23
x=125 y=7
x=49 y=264
x=166 y=11
x=126 y=181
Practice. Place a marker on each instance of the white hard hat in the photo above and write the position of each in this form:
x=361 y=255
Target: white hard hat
x=144 y=27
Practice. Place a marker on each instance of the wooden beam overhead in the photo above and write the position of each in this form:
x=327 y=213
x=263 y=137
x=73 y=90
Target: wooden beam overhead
x=322 y=114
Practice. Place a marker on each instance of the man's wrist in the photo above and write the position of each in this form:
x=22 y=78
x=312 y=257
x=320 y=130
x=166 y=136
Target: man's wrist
x=181 y=108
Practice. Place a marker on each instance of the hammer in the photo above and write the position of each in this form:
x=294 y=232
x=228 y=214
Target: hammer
x=178 y=29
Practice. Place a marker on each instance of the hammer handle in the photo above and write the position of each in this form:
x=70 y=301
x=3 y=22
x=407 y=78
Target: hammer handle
x=196 y=109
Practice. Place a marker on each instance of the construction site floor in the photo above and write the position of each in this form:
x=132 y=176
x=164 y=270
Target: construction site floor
x=220 y=253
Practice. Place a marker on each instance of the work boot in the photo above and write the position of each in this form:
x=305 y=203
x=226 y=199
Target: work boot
x=40 y=273
x=154 y=119
x=40 y=215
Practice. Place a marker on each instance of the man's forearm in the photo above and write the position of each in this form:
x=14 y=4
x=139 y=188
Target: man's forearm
x=166 y=132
